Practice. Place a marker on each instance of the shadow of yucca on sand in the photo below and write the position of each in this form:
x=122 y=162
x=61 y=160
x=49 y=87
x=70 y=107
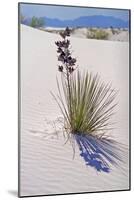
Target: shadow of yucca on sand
x=87 y=105
x=99 y=153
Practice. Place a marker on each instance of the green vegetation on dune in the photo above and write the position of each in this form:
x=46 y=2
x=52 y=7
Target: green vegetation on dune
x=98 y=34
x=37 y=22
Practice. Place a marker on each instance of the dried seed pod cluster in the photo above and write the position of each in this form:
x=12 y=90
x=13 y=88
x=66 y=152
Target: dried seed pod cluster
x=64 y=54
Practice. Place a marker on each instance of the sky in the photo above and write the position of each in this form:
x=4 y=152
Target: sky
x=64 y=13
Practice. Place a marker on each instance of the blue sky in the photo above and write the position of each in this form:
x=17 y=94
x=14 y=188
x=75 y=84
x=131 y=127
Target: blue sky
x=63 y=13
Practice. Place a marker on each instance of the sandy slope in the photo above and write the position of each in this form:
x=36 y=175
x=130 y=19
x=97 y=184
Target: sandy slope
x=47 y=166
x=115 y=35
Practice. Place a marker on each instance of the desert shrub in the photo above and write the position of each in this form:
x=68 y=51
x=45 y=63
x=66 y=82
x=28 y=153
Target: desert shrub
x=101 y=34
x=91 y=33
x=98 y=34
x=36 y=22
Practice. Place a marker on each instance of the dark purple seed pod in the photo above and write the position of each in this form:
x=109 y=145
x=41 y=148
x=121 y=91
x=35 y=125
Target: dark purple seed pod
x=61 y=58
x=57 y=43
x=66 y=43
x=69 y=58
x=62 y=53
x=72 y=62
x=60 y=68
x=70 y=69
x=67 y=32
x=59 y=50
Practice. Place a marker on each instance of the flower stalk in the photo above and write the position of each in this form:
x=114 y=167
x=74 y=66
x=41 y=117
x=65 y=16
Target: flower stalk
x=67 y=66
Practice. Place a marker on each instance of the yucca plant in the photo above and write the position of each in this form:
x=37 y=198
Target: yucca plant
x=85 y=101
x=87 y=105
x=90 y=106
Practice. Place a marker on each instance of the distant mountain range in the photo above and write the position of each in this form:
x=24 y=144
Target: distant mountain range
x=85 y=21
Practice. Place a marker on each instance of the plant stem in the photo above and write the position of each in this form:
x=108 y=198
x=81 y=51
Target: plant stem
x=69 y=89
x=69 y=93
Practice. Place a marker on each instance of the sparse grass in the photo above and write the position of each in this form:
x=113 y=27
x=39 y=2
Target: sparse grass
x=89 y=108
x=98 y=34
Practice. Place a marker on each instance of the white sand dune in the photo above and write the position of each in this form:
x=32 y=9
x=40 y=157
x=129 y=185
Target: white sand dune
x=112 y=35
x=47 y=165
